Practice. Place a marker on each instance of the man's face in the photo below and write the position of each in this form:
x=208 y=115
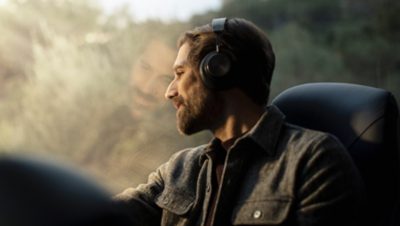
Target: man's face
x=150 y=76
x=197 y=108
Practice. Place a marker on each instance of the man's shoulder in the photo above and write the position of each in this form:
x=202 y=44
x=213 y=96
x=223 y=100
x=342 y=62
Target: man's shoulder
x=299 y=132
x=308 y=139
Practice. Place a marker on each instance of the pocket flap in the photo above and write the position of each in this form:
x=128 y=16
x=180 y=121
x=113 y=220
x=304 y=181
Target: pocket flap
x=264 y=212
x=175 y=201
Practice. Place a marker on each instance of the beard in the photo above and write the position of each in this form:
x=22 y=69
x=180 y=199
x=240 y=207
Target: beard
x=199 y=113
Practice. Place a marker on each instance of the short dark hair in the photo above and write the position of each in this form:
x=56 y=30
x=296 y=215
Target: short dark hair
x=247 y=46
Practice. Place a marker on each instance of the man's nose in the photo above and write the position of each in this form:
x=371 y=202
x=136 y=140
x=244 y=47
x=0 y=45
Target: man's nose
x=171 y=91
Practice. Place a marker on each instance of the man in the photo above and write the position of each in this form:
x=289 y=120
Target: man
x=258 y=169
x=149 y=77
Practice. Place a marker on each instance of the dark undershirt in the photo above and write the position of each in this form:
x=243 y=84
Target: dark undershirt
x=218 y=159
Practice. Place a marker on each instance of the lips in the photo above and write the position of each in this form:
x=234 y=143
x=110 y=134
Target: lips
x=177 y=103
x=141 y=99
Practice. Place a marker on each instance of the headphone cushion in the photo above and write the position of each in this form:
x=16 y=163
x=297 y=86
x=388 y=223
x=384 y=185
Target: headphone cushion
x=214 y=67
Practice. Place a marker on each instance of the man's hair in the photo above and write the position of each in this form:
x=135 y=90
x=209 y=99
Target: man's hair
x=253 y=59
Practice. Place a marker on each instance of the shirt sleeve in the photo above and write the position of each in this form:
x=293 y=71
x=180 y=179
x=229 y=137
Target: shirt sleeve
x=139 y=203
x=331 y=190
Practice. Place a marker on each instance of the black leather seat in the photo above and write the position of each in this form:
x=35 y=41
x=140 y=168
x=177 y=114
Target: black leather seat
x=41 y=193
x=366 y=121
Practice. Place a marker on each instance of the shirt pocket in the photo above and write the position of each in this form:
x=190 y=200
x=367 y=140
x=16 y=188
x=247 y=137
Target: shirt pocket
x=175 y=201
x=270 y=211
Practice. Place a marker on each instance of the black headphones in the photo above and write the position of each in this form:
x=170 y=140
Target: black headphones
x=216 y=65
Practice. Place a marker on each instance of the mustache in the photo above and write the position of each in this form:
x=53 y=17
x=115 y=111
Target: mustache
x=137 y=93
x=178 y=100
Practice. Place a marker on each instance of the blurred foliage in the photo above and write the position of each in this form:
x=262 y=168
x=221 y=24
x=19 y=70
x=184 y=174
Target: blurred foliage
x=66 y=73
x=300 y=59
x=321 y=40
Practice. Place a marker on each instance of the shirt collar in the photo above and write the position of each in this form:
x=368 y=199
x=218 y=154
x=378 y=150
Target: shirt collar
x=213 y=145
x=265 y=133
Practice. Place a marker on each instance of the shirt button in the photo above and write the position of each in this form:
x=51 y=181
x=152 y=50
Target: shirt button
x=208 y=188
x=257 y=214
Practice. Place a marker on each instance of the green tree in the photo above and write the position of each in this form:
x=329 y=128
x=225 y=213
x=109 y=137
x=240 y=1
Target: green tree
x=299 y=59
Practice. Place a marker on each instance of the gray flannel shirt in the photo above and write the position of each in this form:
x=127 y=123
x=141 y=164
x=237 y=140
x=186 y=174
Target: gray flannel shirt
x=276 y=174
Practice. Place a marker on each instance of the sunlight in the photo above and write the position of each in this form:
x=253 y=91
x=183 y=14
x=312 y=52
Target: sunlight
x=165 y=10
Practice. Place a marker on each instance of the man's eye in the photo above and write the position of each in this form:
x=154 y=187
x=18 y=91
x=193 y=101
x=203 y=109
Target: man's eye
x=146 y=66
x=179 y=73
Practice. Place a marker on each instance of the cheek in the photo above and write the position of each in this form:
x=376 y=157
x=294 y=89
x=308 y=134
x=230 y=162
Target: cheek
x=191 y=86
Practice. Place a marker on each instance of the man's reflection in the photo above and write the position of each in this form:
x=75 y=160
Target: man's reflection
x=151 y=74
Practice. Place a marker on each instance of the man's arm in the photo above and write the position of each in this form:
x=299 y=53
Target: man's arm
x=139 y=202
x=330 y=189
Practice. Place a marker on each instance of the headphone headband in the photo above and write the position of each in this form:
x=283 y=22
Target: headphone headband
x=218 y=24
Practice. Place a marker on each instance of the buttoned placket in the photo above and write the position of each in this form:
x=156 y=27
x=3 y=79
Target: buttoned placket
x=231 y=178
x=208 y=188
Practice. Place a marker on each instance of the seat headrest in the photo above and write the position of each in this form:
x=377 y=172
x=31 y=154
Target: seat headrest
x=365 y=120
x=345 y=110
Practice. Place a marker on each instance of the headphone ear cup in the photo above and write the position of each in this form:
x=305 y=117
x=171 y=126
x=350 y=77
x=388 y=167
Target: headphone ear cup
x=214 y=68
